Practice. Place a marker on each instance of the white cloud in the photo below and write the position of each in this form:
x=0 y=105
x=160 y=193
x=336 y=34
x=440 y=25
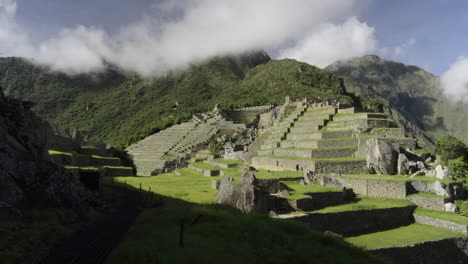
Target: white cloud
x=455 y=80
x=331 y=42
x=196 y=30
x=398 y=51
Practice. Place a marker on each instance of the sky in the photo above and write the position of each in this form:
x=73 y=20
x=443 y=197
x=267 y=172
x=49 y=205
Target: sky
x=153 y=36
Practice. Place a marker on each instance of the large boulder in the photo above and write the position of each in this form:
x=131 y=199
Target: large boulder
x=443 y=173
x=381 y=157
x=402 y=164
x=450 y=207
x=26 y=171
x=250 y=194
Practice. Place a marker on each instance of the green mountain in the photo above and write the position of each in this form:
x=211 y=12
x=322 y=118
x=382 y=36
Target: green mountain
x=121 y=108
x=408 y=90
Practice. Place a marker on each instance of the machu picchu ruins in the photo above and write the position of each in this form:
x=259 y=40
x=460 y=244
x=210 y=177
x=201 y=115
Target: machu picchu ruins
x=226 y=132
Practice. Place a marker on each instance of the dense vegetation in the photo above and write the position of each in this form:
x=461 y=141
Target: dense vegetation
x=454 y=154
x=121 y=108
x=409 y=90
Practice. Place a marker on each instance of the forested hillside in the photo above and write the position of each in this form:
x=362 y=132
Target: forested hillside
x=121 y=108
x=410 y=90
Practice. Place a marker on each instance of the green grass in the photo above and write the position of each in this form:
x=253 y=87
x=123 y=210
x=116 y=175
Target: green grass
x=226 y=161
x=204 y=165
x=364 y=203
x=300 y=191
x=402 y=236
x=107 y=158
x=26 y=242
x=427 y=195
x=462 y=206
x=452 y=217
x=191 y=186
x=55 y=152
x=317 y=149
x=221 y=234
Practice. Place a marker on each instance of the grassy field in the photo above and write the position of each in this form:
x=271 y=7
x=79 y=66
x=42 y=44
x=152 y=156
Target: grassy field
x=443 y=215
x=364 y=203
x=216 y=233
x=403 y=236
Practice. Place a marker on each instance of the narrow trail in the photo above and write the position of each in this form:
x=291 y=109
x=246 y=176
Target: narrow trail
x=94 y=244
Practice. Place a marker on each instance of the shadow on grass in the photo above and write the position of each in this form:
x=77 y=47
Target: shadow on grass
x=172 y=230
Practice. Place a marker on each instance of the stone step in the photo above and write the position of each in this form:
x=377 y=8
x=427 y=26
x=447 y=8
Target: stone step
x=313 y=122
x=314 y=118
x=314 y=153
x=326 y=111
x=434 y=203
x=276 y=163
x=318 y=143
x=307 y=129
x=320 y=135
x=347 y=117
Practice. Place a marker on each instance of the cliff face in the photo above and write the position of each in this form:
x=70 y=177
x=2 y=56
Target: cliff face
x=26 y=171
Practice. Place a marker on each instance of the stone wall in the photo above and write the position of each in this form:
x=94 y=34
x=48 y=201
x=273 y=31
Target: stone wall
x=370 y=188
x=427 y=220
x=359 y=221
x=281 y=164
x=246 y=115
x=352 y=166
x=453 y=251
x=434 y=203
x=388 y=132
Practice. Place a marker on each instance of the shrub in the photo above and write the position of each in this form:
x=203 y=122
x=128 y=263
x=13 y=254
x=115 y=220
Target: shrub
x=450 y=148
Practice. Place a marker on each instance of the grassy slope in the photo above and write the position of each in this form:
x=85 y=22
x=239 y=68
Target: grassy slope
x=122 y=108
x=414 y=92
x=221 y=234
x=403 y=236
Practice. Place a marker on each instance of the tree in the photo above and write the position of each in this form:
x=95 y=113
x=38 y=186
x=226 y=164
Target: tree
x=450 y=148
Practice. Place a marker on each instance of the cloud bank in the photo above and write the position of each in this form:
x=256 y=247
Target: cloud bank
x=193 y=30
x=332 y=42
x=455 y=81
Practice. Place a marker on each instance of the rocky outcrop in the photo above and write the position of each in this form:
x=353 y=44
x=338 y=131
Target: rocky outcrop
x=250 y=194
x=381 y=157
x=26 y=171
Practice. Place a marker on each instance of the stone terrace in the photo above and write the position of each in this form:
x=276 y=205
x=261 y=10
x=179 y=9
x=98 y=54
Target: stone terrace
x=325 y=139
x=150 y=154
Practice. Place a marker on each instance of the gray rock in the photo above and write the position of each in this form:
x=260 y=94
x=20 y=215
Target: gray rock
x=381 y=157
x=421 y=165
x=26 y=171
x=443 y=173
x=418 y=173
x=430 y=172
x=302 y=182
x=215 y=184
x=450 y=207
x=250 y=194
x=439 y=188
x=402 y=164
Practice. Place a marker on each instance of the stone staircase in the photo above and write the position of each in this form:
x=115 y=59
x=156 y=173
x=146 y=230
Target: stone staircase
x=147 y=154
x=150 y=155
x=325 y=139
